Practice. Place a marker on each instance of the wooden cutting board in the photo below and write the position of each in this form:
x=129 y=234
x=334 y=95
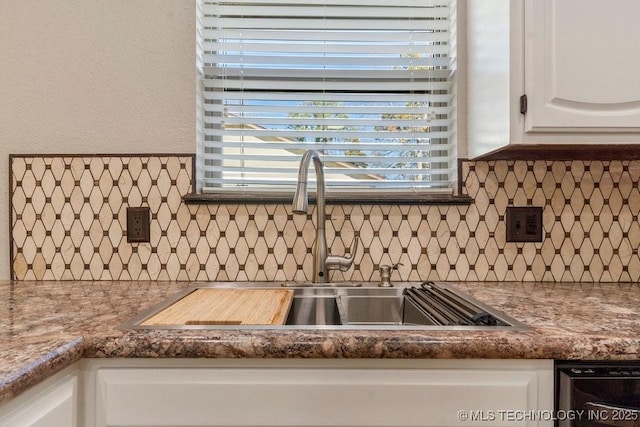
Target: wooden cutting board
x=207 y=306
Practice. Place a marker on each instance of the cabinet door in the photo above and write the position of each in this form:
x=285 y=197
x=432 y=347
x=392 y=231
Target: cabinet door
x=581 y=65
x=52 y=407
x=315 y=397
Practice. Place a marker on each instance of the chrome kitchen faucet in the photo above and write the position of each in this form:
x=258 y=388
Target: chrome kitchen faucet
x=322 y=261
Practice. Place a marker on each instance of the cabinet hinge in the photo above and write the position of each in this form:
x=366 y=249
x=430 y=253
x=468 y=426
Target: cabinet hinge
x=523 y=104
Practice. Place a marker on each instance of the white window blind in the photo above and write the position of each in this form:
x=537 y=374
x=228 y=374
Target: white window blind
x=366 y=83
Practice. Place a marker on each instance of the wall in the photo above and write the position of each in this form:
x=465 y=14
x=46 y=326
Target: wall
x=69 y=223
x=117 y=76
x=99 y=76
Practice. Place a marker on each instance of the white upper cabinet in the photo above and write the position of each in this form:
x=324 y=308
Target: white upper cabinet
x=582 y=64
x=576 y=61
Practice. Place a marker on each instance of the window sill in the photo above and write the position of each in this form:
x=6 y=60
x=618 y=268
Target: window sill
x=351 y=199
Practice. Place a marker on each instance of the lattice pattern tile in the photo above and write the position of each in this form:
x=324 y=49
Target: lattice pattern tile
x=69 y=213
x=590 y=219
x=68 y=222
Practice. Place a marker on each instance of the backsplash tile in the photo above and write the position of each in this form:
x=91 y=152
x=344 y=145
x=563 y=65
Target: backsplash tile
x=68 y=221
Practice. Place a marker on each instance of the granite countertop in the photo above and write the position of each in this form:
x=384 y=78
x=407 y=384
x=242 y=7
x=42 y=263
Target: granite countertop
x=46 y=326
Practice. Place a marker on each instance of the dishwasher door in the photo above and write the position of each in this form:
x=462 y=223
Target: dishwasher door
x=598 y=395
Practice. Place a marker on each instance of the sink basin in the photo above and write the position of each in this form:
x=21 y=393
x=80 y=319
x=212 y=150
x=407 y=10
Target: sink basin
x=314 y=310
x=366 y=310
x=371 y=306
x=339 y=306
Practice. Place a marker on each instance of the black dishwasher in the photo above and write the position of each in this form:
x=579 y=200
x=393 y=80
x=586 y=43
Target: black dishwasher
x=597 y=394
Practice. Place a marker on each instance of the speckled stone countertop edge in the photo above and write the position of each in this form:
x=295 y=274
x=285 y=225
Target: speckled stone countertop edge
x=336 y=344
x=41 y=368
x=84 y=316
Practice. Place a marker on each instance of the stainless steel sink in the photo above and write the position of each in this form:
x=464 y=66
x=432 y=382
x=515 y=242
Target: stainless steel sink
x=340 y=306
x=314 y=310
x=371 y=306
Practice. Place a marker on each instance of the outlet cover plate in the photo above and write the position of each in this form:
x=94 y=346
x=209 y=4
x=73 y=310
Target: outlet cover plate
x=138 y=225
x=524 y=224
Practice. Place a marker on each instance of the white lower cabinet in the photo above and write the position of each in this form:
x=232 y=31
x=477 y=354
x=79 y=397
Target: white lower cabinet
x=319 y=393
x=52 y=403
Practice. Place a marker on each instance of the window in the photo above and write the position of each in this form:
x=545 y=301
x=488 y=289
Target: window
x=366 y=83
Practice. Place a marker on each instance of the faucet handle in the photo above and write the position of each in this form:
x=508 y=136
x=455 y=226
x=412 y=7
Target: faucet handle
x=343 y=263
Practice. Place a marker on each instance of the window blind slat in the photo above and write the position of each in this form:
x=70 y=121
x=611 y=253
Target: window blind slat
x=269 y=184
x=336 y=85
x=369 y=86
x=397 y=37
x=356 y=111
x=305 y=47
x=210 y=5
x=328 y=133
x=293 y=158
x=366 y=98
x=282 y=147
x=320 y=11
x=365 y=75
x=327 y=24
x=417 y=122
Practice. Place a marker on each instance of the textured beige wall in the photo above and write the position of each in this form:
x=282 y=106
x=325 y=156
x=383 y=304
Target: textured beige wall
x=98 y=76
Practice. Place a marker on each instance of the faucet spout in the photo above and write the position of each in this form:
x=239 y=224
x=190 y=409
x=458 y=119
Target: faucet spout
x=301 y=206
x=301 y=198
x=322 y=261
